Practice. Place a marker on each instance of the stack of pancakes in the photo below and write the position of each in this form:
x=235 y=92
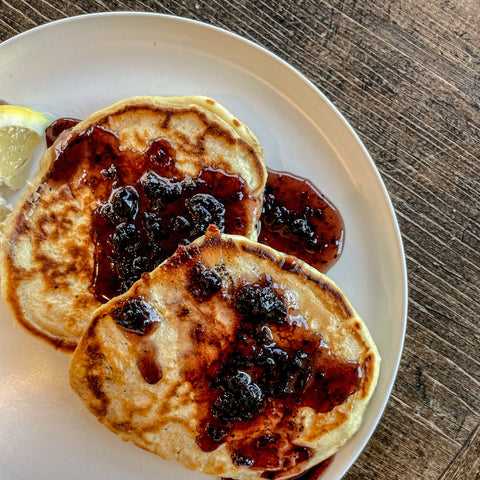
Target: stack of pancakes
x=205 y=358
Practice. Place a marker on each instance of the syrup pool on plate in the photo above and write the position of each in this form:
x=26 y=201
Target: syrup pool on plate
x=299 y=220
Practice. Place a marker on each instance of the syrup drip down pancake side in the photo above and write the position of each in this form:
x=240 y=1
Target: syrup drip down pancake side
x=231 y=358
x=114 y=197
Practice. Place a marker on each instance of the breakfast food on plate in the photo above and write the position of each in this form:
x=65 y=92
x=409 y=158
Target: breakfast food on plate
x=136 y=246
x=230 y=358
x=114 y=197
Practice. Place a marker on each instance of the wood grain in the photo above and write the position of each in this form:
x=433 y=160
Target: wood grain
x=406 y=74
x=466 y=463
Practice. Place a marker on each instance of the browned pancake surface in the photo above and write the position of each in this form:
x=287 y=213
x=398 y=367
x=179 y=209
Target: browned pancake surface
x=53 y=273
x=232 y=359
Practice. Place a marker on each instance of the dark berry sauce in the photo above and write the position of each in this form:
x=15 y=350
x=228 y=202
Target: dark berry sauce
x=271 y=366
x=145 y=207
x=147 y=361
x=134 y=315
x=203 y=282
x=53 y=131
x=313 y=473
x=137 y=319
x=299 y=220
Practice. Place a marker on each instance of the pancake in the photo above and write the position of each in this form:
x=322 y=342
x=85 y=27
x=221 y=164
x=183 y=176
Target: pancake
x=114 y=197
x=231 y=358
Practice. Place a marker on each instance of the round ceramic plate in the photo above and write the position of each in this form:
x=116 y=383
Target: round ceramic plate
x=76 y=66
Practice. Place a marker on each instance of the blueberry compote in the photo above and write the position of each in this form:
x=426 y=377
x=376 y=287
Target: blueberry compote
x=313 y=473
x=203 y=283
x=56 y=128
x=299 y=220
x=138 y=321
x=145 y=207
x=271 y=367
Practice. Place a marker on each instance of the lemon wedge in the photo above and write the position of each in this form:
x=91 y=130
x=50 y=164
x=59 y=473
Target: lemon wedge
x=20 y=131
x=5 y=209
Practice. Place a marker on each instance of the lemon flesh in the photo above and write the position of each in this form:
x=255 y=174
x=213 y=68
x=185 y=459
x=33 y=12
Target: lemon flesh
x=5 y=209
x=20 y=131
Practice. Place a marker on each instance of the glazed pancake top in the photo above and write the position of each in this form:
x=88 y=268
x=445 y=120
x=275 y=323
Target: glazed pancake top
x=115 y=196
x=230 y=358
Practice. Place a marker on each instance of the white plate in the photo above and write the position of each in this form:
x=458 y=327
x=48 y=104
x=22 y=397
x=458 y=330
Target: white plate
x=78 y=65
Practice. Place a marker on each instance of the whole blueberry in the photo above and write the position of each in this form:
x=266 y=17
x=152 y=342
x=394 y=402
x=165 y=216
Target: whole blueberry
x=124 y=202
x=125 y=238
x=205 y=209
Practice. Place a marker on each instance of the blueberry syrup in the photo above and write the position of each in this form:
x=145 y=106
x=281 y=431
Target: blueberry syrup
x=299 y=220
x=146 y=206
x=313 y=473
x=138 y=321
x=53 y=131
x=251 y=392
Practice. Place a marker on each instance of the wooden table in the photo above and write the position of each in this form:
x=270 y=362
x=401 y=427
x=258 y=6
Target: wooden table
x=406 y=75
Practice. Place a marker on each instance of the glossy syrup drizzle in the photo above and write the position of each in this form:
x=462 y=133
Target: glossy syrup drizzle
x=299 y=220
x=253 y=389
x=146 y=206
x=53 y=131
x=313 y=473
x=296 y=219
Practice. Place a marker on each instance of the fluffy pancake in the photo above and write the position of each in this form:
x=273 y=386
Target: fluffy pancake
x=113 y=198
x=230 y=358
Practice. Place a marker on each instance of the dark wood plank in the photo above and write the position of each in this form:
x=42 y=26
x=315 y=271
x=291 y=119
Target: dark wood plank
x=404 y=446
x=466 y=464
